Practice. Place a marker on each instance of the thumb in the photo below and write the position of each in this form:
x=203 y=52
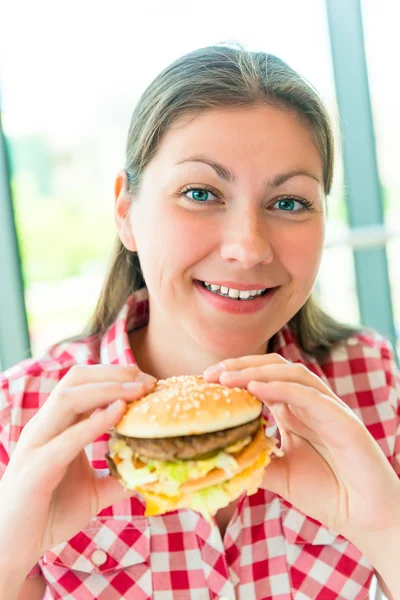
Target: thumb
x=110 y=491
x=148 y=380
x=275 y=477
x=276 y=473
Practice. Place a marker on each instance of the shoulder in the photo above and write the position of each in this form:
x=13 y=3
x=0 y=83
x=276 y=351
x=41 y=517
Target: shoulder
x=26 y=385
x=363 y=354
x=362 y=371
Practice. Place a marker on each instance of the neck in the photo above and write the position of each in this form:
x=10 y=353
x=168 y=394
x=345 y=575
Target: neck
x=162 y=360
x=163 y=348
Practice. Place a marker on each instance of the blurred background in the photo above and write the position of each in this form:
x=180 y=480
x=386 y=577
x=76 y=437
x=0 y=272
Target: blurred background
x=70 y=76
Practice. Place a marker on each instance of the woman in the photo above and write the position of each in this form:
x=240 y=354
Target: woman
x=223 y=200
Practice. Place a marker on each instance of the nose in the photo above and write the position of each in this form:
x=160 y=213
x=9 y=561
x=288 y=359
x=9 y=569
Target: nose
x=246 y=241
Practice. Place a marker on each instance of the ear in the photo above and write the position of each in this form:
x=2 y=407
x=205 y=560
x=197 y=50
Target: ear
x=123 y=203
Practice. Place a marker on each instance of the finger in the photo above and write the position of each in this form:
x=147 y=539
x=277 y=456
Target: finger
x=296 y=373
x=80 y=374
x=287 y=419
x=110 y=491
x=72 y=404
x=64 y=448
x=279 y=475
x=213 y=373
x=327 y=416
x=276 y=477
x=342 y=441
x=299 y=396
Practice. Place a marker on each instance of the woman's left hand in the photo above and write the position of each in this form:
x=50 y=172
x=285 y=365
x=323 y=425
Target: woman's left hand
x=332 y=469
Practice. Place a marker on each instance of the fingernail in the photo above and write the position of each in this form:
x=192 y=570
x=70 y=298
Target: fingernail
x=146 y=379
x=132 y=386
x=215 y=369
x=114 y=405
x=231 y=374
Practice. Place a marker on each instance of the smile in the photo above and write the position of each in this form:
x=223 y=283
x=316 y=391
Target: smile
x=234 y=294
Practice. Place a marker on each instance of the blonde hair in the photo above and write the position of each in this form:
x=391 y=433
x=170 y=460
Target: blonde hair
x=209 y=78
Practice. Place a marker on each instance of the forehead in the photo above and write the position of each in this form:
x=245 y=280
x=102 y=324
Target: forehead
x=258 y=133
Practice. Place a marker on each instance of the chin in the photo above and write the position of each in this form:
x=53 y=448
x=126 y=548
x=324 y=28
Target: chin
x=225 y=343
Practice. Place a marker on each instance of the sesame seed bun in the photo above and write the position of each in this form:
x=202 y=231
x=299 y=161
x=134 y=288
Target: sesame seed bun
x=188 y=405
x=191 y=444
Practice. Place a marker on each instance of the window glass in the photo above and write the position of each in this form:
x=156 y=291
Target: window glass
x=382 y=47
x=70 y=80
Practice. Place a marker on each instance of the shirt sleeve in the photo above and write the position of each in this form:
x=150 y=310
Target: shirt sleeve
x=396 y=456
x=392 y=375
x=5 y=426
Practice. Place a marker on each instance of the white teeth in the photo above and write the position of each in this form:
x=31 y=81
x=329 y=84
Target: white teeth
x=244 y=295
x=232 y=292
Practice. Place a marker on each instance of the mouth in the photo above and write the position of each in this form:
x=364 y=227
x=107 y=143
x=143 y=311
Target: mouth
x=233 y=293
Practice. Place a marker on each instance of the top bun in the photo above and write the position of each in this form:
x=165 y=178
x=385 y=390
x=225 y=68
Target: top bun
x=188 y=405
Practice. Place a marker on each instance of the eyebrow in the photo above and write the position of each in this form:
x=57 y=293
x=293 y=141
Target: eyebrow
x=227 y=175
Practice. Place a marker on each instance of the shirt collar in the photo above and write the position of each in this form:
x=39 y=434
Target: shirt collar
x=115 y=348
x=288 y=347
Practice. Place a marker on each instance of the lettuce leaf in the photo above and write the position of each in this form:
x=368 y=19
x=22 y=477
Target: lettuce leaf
x=133 y=477
x=179 y=471
x=227 y=463
x=171 y=474
x=209 y=500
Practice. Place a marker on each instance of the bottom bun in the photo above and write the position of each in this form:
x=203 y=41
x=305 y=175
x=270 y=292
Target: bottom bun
x=209 y=499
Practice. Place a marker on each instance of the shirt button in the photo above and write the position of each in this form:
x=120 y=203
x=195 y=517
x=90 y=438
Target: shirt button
x=98 y=558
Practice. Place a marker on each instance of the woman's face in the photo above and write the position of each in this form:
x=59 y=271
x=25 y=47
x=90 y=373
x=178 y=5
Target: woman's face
x=233 y=198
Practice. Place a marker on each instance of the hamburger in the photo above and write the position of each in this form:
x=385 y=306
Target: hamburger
x=191 y=444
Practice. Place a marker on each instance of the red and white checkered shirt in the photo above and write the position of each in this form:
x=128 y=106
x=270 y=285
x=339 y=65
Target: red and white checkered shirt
x=269 y=550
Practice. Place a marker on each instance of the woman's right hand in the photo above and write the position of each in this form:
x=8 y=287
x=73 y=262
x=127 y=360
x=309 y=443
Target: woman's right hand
x=49 y=491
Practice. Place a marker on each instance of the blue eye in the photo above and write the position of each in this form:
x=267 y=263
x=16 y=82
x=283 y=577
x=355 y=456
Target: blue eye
x=287 y=204
x=200 y=195
x=293 y=205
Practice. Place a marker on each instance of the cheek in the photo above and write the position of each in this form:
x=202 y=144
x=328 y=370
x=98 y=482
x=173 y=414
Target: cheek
x=300 y=250
x=175 y=240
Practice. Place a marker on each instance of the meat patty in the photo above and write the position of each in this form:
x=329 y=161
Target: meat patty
x=112 y=467
x=190 y=446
